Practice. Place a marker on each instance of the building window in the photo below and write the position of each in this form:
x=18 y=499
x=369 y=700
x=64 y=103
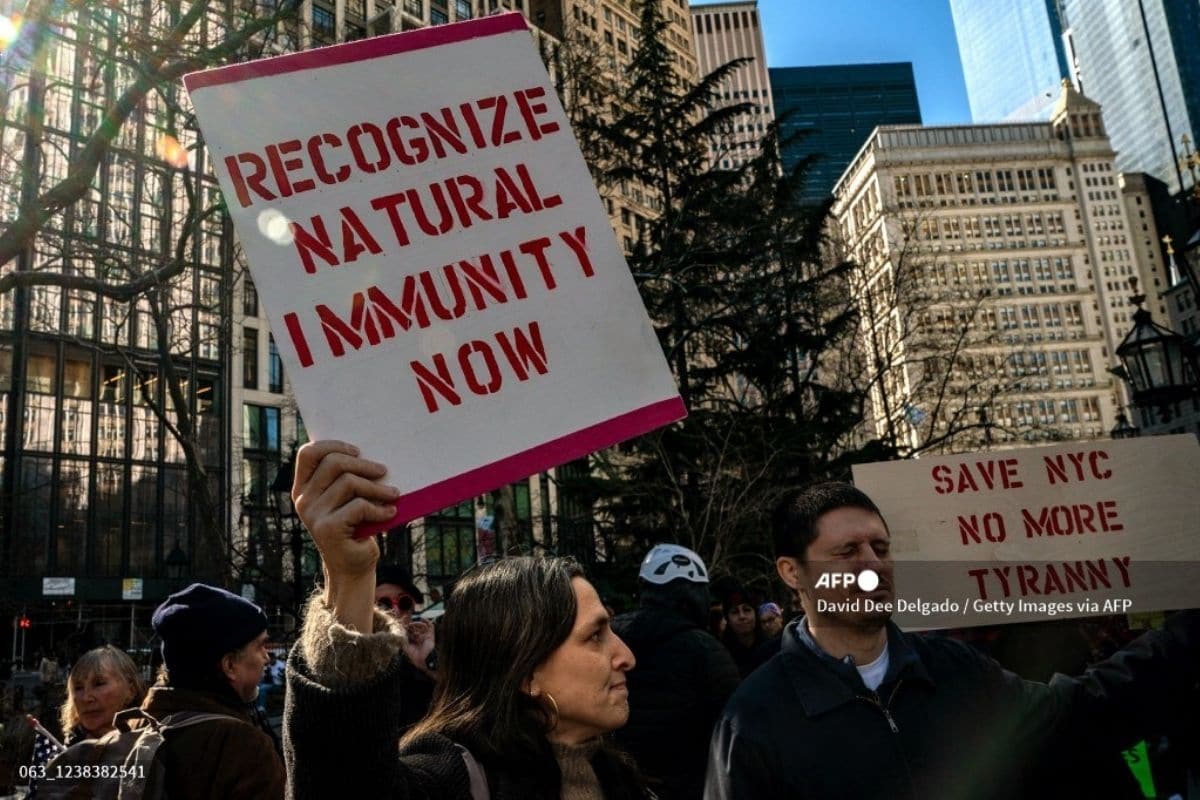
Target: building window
x=260 y=428
x=274 y=367
x=324 y=25
x=249 y=298
x=450 y=542
x=250 y=358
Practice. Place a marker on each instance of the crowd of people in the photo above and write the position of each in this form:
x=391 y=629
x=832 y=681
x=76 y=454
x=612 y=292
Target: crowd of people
x=528 y=687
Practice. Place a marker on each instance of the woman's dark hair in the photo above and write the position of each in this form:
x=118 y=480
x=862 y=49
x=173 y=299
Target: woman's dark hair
x=502 y=621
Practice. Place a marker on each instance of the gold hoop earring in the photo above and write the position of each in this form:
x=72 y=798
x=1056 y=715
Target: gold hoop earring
x=554 y=706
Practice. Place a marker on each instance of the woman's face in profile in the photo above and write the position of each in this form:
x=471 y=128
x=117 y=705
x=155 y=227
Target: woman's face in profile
x=586 y=674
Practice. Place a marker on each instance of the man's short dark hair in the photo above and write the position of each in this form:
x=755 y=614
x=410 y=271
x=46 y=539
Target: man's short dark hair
x=794 y=523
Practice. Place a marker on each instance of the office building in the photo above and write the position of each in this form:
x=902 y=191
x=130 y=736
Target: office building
x=828 y=112
x=1013 y=57
x=1138 y=59
x=724 y=32
x=1018 y=241
x=97 y=395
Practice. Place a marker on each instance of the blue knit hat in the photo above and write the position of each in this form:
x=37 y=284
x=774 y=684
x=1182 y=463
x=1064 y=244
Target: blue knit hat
x=202 y=623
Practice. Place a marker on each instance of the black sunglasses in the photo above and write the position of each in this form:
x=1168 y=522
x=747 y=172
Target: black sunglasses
x=400 y=603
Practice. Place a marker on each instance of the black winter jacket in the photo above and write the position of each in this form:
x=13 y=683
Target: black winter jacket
x=344 y=743
x=947 y=723
x=682 y=680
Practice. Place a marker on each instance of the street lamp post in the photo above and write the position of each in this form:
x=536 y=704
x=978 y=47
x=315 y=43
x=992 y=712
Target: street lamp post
x=177 y=562
x=290 y=523
x=1124 y=430
x=1160 y=364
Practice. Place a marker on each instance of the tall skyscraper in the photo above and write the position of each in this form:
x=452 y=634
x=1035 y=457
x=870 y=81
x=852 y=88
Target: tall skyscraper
x=834 y=109
x=1002 y=253
x=1013 y=57
x=723 y=32
x=1140 y=61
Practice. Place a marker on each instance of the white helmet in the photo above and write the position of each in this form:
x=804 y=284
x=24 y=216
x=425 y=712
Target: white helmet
x=667 y=562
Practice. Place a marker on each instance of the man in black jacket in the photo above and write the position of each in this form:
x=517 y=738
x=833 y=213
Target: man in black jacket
x=683 y=675
x=853 y=708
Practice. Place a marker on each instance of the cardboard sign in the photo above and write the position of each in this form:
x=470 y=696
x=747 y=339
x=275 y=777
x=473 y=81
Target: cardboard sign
x=1072 y=530
x=442 y=279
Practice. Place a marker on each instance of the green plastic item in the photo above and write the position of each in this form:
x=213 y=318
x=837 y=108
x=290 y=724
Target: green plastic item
x=1138 y=759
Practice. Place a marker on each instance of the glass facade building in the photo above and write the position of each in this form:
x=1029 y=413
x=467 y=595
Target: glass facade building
x=829 y=112
x=95 y=486
x=1013 y=57
x=1140 y=61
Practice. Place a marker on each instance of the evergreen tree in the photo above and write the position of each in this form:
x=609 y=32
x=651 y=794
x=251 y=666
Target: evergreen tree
x=745 y=307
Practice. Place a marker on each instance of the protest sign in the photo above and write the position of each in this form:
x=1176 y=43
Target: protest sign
x=1072 y=530
x=444 y=285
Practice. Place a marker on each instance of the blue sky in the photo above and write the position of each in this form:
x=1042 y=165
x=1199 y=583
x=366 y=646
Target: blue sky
x=801 y=33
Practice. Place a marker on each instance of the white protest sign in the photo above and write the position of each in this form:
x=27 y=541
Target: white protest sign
x=443 y=281
x=1072 y=530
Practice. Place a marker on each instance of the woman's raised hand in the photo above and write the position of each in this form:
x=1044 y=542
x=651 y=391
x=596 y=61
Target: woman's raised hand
x=335 y=491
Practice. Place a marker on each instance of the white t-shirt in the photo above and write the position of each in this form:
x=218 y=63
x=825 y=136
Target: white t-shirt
x=872 y=674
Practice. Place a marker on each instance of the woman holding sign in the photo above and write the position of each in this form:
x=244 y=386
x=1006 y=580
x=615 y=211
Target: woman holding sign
x=530 y=675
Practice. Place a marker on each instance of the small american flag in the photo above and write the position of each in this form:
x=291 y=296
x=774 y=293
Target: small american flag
x=45 y=748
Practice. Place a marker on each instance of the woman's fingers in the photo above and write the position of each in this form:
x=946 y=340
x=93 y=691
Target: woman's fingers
x=335 y=491
x=329 y=476
x=330 y=529
x=333 y=466
x=347 y=487
x=310 y=455
x=344 y=556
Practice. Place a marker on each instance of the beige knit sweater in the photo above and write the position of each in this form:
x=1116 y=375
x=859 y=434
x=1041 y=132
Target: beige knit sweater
x=339 y=657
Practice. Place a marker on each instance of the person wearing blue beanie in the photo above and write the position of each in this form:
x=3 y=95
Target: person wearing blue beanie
x=214 y=651
x=198 y=627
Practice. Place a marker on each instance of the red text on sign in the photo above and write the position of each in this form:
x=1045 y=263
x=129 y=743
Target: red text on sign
x=1062 y=577
x=1077 y=467
x=976 y=476
x=479 y=366
x=434 y=210
x=293 y=167
x=1077 y=518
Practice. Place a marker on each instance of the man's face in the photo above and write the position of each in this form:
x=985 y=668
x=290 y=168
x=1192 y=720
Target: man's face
x=244 y=668
x=849 y=540
x=394 y=600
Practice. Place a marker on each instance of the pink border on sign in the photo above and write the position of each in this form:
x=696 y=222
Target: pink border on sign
x=558 y=451
x=362 y=50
